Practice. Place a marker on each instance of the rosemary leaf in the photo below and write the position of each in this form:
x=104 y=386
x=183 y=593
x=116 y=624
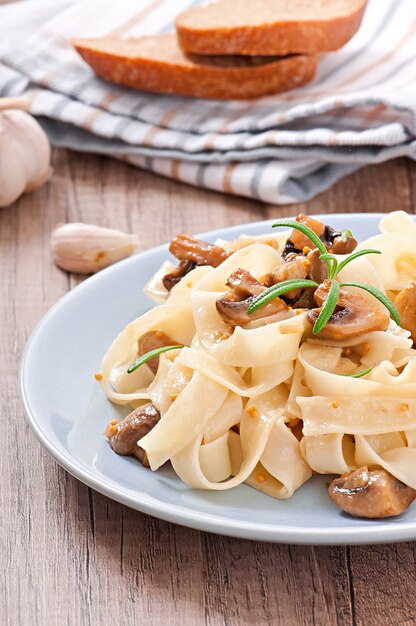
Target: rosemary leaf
x=359 y=374
x=380 y=296
x=355 y=255
x=149 y=355
x=277 y=290
x=334 y=264
x=329 y=256
x=328 y=307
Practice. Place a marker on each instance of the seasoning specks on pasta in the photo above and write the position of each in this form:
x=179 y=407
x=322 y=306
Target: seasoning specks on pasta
x=332 y=391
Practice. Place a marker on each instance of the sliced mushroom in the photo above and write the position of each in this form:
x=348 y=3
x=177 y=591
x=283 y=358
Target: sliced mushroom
x=298 y=268
x=124 y=435
x=243 y=284
x=187 y=248
x=175 y=276
x=305 y=300
x=355 y=315
x=405 y=303
x=371 y=493
x=317 y=268
x=336 y=243
x=192 y=252
x=297 y=240
x=342 y=245
x=317 y=272
x=233 y=306
x=153 y=340
x=332 y=239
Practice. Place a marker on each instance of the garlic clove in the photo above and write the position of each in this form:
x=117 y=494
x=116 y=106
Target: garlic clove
x=35 y=147
x=25 y=152
x=86 y=249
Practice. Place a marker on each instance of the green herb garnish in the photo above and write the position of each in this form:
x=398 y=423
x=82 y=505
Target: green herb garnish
x=345 y=233
x=279 y=289
x=359 y=374
x=306 y=231
x=380 y=296
x=149 y=355
x=334 y=267
x=328 y=307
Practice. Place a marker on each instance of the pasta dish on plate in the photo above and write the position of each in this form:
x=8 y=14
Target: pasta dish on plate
x=269 y=359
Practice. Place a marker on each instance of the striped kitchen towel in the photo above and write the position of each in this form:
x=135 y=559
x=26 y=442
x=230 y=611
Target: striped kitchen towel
x=361 y=107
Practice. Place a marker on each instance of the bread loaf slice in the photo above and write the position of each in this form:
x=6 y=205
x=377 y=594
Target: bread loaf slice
x=157 y=64
x=261 y=27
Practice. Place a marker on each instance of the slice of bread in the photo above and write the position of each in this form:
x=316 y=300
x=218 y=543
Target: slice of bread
x=261 y=27
x=157 y=64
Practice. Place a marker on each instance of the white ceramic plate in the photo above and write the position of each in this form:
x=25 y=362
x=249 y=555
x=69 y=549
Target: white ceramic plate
x=68 y=413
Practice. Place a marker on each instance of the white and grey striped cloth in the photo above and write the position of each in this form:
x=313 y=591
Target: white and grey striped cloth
x=361 y=107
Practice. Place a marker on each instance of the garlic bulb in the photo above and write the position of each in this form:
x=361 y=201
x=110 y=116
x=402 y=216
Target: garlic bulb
x=25 y=151
x=85 y=248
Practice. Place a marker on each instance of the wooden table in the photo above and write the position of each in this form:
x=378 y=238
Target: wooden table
x=73 y=557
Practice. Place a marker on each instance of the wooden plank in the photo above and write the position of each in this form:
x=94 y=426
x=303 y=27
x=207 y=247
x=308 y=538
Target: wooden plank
x=29 y=285
x=384 y=579
x=260 y=583
x=75 y=557
x=411 y=177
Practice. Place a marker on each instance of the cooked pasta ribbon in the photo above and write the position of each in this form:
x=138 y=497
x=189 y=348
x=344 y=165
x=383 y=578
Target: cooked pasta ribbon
x=268 y=403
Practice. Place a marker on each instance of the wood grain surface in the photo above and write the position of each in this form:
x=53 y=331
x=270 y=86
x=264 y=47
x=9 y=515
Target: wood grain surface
x=69 y=555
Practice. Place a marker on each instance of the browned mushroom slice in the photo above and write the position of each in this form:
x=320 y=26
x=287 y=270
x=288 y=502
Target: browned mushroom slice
x=187 y=248
x=124 y=435
x=175 y=276
x=192 y=252
x=332 y=239
x=355 y=315
x=243 y=284
x=371 y=493
x=337 y=243
x=233 y=306
x=305 y=300
x=342 y=245
x=317 y=272
x=151 y=341
x=297 y=240
x=295 y=267
x=317 y=268
x=298 y=268
x=405 y=303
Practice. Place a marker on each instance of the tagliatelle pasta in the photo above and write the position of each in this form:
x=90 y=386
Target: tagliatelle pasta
x=262 y=399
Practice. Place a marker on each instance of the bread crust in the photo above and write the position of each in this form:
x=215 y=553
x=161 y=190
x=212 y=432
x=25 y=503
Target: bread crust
x=158 y=65
x=222 y=29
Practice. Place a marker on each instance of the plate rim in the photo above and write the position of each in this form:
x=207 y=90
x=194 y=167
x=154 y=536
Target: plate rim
x=182 y=515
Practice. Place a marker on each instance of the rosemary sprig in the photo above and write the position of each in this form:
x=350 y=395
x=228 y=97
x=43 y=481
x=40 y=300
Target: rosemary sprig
x=279 y=289
x=355 y=255
x=359 y=374
x=328 y=307
x=334 y=267
x=380 y=296
x=149 y=355
x=332 y=260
